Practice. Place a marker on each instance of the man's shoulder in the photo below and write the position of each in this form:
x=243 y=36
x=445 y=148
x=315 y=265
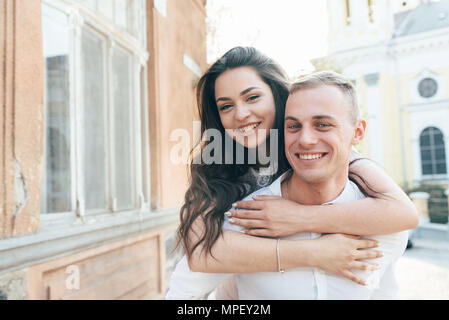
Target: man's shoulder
x=356 y=193
x=351 y=192
x=265 y=191
x=273 y=189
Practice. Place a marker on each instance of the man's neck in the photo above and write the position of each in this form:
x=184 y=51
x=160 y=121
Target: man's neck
x=308 y=193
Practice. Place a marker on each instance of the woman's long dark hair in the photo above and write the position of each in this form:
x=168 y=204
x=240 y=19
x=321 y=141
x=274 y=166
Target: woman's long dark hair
x=214 y=187
x=362 y=184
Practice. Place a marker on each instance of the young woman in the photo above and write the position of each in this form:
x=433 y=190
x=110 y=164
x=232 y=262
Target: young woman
x=242 y=96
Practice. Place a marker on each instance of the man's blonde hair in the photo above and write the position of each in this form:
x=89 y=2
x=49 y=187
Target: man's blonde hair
x=330 y=78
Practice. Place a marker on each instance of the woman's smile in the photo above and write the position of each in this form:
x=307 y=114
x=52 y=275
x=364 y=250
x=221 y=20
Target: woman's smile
x=248 y=129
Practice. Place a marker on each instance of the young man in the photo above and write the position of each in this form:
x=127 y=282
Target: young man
x=322 y=124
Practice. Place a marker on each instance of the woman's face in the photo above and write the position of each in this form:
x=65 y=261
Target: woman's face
x=246 y=105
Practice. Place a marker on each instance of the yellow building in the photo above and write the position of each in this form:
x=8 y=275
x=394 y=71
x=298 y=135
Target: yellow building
x=396 y=53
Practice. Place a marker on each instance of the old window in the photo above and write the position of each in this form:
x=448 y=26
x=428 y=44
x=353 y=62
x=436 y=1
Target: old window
x=57 y=180
x=433 y=153
x=95 y=56
x=427 y=87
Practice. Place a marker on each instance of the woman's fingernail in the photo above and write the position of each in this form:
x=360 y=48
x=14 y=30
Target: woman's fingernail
x=228 y=214
x=234 y=205
x=232 y=220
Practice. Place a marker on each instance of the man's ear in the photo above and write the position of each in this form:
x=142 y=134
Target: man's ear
x=359 y=132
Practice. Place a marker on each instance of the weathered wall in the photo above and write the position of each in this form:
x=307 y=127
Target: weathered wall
x=13 y=285
x=171 y=90
x=21 y=116
x=131 y=267
x=127 y=269
x=172 y=102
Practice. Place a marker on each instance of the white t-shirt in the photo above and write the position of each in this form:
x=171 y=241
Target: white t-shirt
x=299 y=283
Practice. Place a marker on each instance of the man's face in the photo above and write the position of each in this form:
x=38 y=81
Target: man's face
x=319 y=133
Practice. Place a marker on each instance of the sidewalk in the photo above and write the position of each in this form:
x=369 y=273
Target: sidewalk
x=423 y=271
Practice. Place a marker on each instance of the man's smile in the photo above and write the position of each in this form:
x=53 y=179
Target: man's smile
x=310 y=156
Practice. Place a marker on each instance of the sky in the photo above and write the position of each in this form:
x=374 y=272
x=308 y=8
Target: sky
x=290 y=31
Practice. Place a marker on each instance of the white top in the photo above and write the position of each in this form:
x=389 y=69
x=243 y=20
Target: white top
x=300 y=283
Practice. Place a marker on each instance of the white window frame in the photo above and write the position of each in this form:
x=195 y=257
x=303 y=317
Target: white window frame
x=81 y=16
x=135 y=112
x=439 y=176
x=421 y=119
x=72 y=102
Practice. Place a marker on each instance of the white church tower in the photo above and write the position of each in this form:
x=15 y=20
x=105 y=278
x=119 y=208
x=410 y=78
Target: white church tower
x=358 y=23
x=359 y=32
x=396 y=53
x=369 y=22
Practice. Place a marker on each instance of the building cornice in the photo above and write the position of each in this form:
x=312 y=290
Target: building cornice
x=419 y=42
x=76 y=236
x=413 y=44
x=427 y=106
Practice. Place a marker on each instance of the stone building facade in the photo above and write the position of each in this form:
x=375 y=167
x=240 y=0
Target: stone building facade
x=90 y=93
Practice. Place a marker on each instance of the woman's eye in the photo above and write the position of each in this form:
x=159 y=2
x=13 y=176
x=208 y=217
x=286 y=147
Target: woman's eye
x=225 y=107
x=252 y=98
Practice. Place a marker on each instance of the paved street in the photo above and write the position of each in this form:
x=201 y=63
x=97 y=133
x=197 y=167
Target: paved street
x=423 y=271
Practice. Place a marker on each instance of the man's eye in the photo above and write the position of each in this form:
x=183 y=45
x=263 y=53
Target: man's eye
x=225 y=107
x=293 y=126
x=323 y=125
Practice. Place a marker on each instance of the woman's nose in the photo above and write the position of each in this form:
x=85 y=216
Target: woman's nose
x=242 y=112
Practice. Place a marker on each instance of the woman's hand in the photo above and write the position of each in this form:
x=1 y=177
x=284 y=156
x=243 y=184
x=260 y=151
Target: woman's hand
x=339 y=253
x=268 y=216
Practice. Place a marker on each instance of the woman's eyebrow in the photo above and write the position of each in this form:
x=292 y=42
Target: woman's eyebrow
x=241 y=93
x=248 y=90
x=223 y=99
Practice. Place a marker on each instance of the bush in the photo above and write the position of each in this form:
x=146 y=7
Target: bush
x=438 y=204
